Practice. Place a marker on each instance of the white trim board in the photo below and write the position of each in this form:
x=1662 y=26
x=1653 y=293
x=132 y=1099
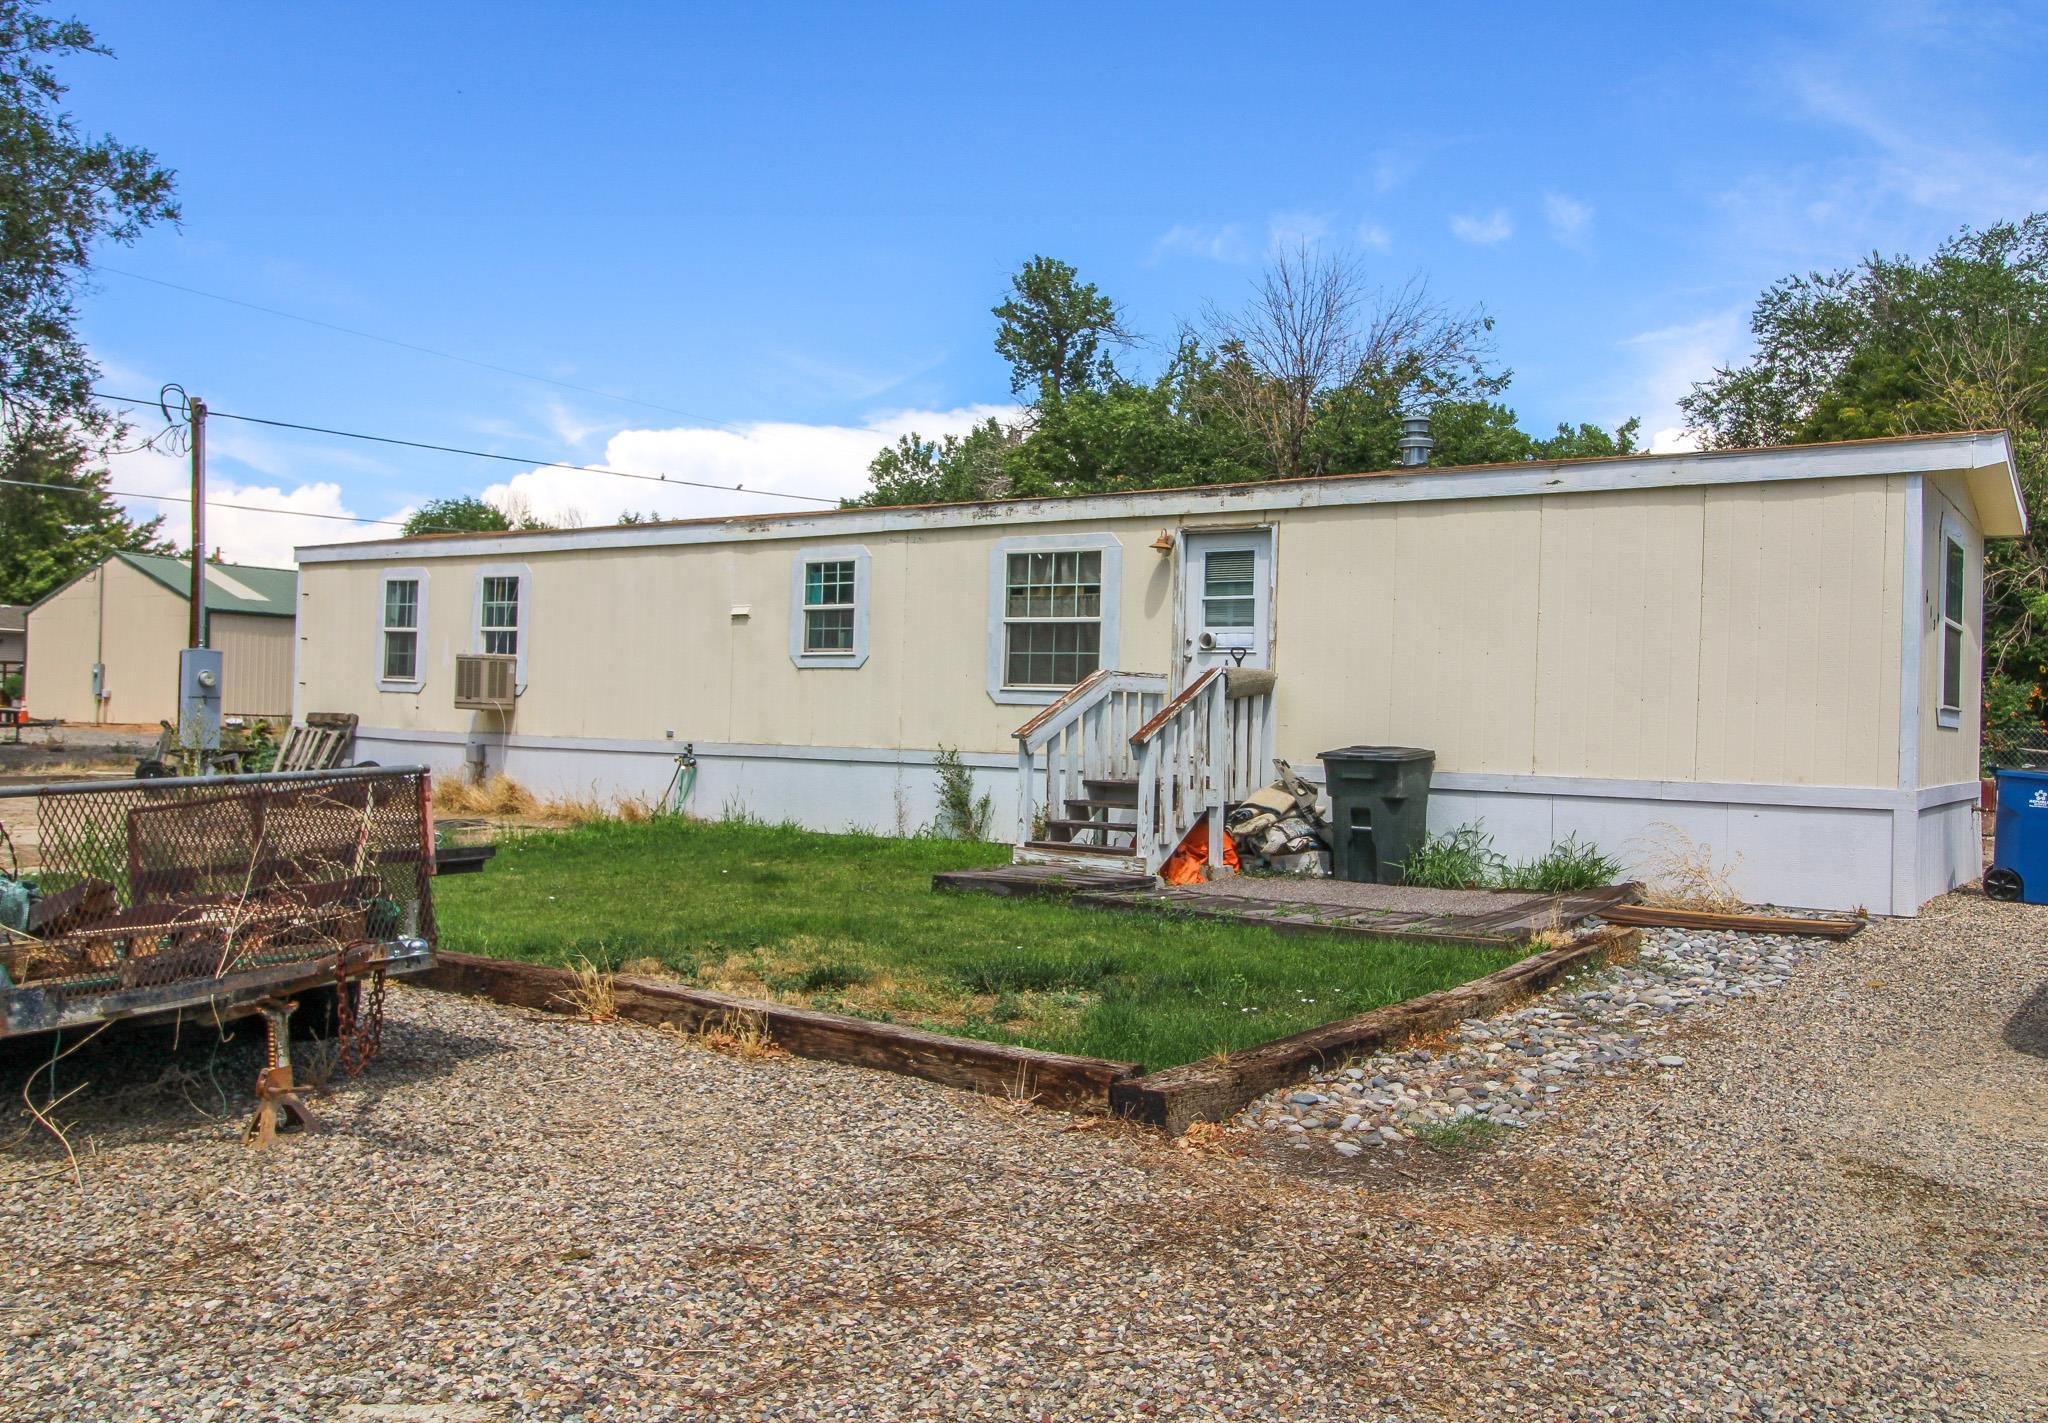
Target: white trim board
x=1964 y=453
x=732 y=750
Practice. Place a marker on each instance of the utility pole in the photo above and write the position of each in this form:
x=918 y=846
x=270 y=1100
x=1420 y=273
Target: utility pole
x=195 y=412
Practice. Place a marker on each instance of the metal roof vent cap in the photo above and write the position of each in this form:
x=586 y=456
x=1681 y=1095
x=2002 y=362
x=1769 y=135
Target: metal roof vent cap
x=1415 y=441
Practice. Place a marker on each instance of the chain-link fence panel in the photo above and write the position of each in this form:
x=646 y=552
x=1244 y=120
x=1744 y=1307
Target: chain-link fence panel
x=143 y=884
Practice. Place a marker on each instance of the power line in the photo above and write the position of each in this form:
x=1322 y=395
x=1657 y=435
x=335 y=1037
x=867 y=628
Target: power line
x=221 y=504
x=412 y=346
x=485 y=454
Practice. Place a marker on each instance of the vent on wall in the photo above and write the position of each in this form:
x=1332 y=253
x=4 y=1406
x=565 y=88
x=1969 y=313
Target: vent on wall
x=486 y=680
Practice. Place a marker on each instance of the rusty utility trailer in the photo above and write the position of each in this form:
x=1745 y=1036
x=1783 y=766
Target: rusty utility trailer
x=220 y=897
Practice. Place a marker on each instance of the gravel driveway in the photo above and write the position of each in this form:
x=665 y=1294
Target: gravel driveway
x=1835 y=1210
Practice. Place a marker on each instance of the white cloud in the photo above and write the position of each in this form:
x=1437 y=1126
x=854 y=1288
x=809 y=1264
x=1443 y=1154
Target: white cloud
x=830 y=461
x=243 y=535
x=1227 y=243
x=1488 y=231
x=1570 y=220
x=1664 y=364
x=1286 y=231
x=1374 y=237
x=1391 y=169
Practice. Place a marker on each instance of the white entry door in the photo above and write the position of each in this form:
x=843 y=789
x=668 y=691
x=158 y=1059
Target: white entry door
x=1226 y=616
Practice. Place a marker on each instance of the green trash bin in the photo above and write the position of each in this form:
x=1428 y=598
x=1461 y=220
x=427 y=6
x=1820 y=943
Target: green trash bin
x=1379 y=809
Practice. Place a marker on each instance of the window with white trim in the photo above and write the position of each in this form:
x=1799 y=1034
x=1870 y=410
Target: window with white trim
x=1052 y=617
x=401 y=629
x=1955 y=563
x=830 y=593
x=498 y=614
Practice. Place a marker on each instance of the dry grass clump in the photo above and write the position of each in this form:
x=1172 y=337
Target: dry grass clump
x=739 y=1034
x=1680 y=873
x=502 y=796
x=646 y=967
x=1209 y=1139
x=498 y=795
x=592 y=996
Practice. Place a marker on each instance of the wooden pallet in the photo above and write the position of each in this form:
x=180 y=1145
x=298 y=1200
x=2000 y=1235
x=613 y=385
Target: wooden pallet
x=320 y=744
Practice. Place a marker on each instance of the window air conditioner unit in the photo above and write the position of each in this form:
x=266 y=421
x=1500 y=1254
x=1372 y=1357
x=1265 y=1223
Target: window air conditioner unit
x=486 y=681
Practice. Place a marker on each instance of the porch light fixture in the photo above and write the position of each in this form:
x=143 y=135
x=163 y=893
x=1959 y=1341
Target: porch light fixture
x=1164 y=543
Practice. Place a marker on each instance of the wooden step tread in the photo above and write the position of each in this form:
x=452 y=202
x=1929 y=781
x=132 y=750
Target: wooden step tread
x=1101 y=804
x=1069 y=847
x=1123 y=826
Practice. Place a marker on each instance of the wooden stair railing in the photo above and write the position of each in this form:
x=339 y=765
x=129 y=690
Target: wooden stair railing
x=1076 y=768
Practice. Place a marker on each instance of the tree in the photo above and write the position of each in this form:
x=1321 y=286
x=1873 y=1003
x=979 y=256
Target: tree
x=1052 y=329
x=48 y=536
x=1892 y=346
x=915 y=470
x=1315 y=345
x=1312 y=378
x=62 y=191
x=467 y=514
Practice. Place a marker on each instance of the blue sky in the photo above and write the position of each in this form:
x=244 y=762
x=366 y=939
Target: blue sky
x=780 y=228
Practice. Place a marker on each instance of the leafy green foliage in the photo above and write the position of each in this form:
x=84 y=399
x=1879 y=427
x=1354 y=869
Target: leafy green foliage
x=466 y=514
x=1052 y=330
x=855 y=917
x=1563 y=868
x=51 y=535
x=1463 y=858
x=1313 y=377
x=62 y=192
x=963 y=815
x=1892 y=346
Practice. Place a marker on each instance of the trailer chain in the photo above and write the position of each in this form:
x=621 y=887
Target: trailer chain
x=361 y=1033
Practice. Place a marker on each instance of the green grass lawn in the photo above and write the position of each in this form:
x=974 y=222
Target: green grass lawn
x=850 y=923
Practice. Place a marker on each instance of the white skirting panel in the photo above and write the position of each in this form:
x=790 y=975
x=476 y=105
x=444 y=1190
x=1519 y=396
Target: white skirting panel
x=1814 y=847
x=821 y=788
x=1950 y=844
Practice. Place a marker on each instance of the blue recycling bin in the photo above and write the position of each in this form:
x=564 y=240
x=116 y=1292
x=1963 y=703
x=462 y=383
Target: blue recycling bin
x=2019 y=852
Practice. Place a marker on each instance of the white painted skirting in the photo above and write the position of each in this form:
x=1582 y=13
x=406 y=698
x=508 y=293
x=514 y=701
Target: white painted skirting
x=1820 y=847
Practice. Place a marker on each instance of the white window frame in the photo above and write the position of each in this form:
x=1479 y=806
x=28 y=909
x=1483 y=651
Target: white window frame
x=1110 y=642
x=418 y=681
x=1948 y=717
x=862 y=597
x=523 y=604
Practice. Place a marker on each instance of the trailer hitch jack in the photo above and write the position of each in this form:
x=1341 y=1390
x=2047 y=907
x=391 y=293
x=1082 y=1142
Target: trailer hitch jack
x=275 y=1091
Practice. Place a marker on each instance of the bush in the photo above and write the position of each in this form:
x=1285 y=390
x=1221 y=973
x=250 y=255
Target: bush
x=1565 y=867
x=1463 y=858
x=962 y=814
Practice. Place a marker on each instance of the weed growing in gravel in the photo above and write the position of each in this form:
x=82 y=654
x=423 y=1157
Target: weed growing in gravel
x=1459 y=1134
x=1681 y=873
x=1463 y=858
x=592 y=995
x=1564 y=868
x=740 y=1035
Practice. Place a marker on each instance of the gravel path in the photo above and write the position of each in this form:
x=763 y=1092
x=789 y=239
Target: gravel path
x=1511 y=1070
x=1833 y=1209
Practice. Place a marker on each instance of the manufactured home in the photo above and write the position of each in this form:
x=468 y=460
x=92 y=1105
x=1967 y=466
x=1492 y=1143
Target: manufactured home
x=1775 y=652
x=104 y=647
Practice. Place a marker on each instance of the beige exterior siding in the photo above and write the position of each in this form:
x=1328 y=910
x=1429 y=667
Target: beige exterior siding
x=137 y=631
x=256 y=663
x=1731 y=633
x=137 y=639
x=1950 y=754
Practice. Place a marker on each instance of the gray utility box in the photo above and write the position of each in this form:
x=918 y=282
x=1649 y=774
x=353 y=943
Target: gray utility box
x=1379 y=809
